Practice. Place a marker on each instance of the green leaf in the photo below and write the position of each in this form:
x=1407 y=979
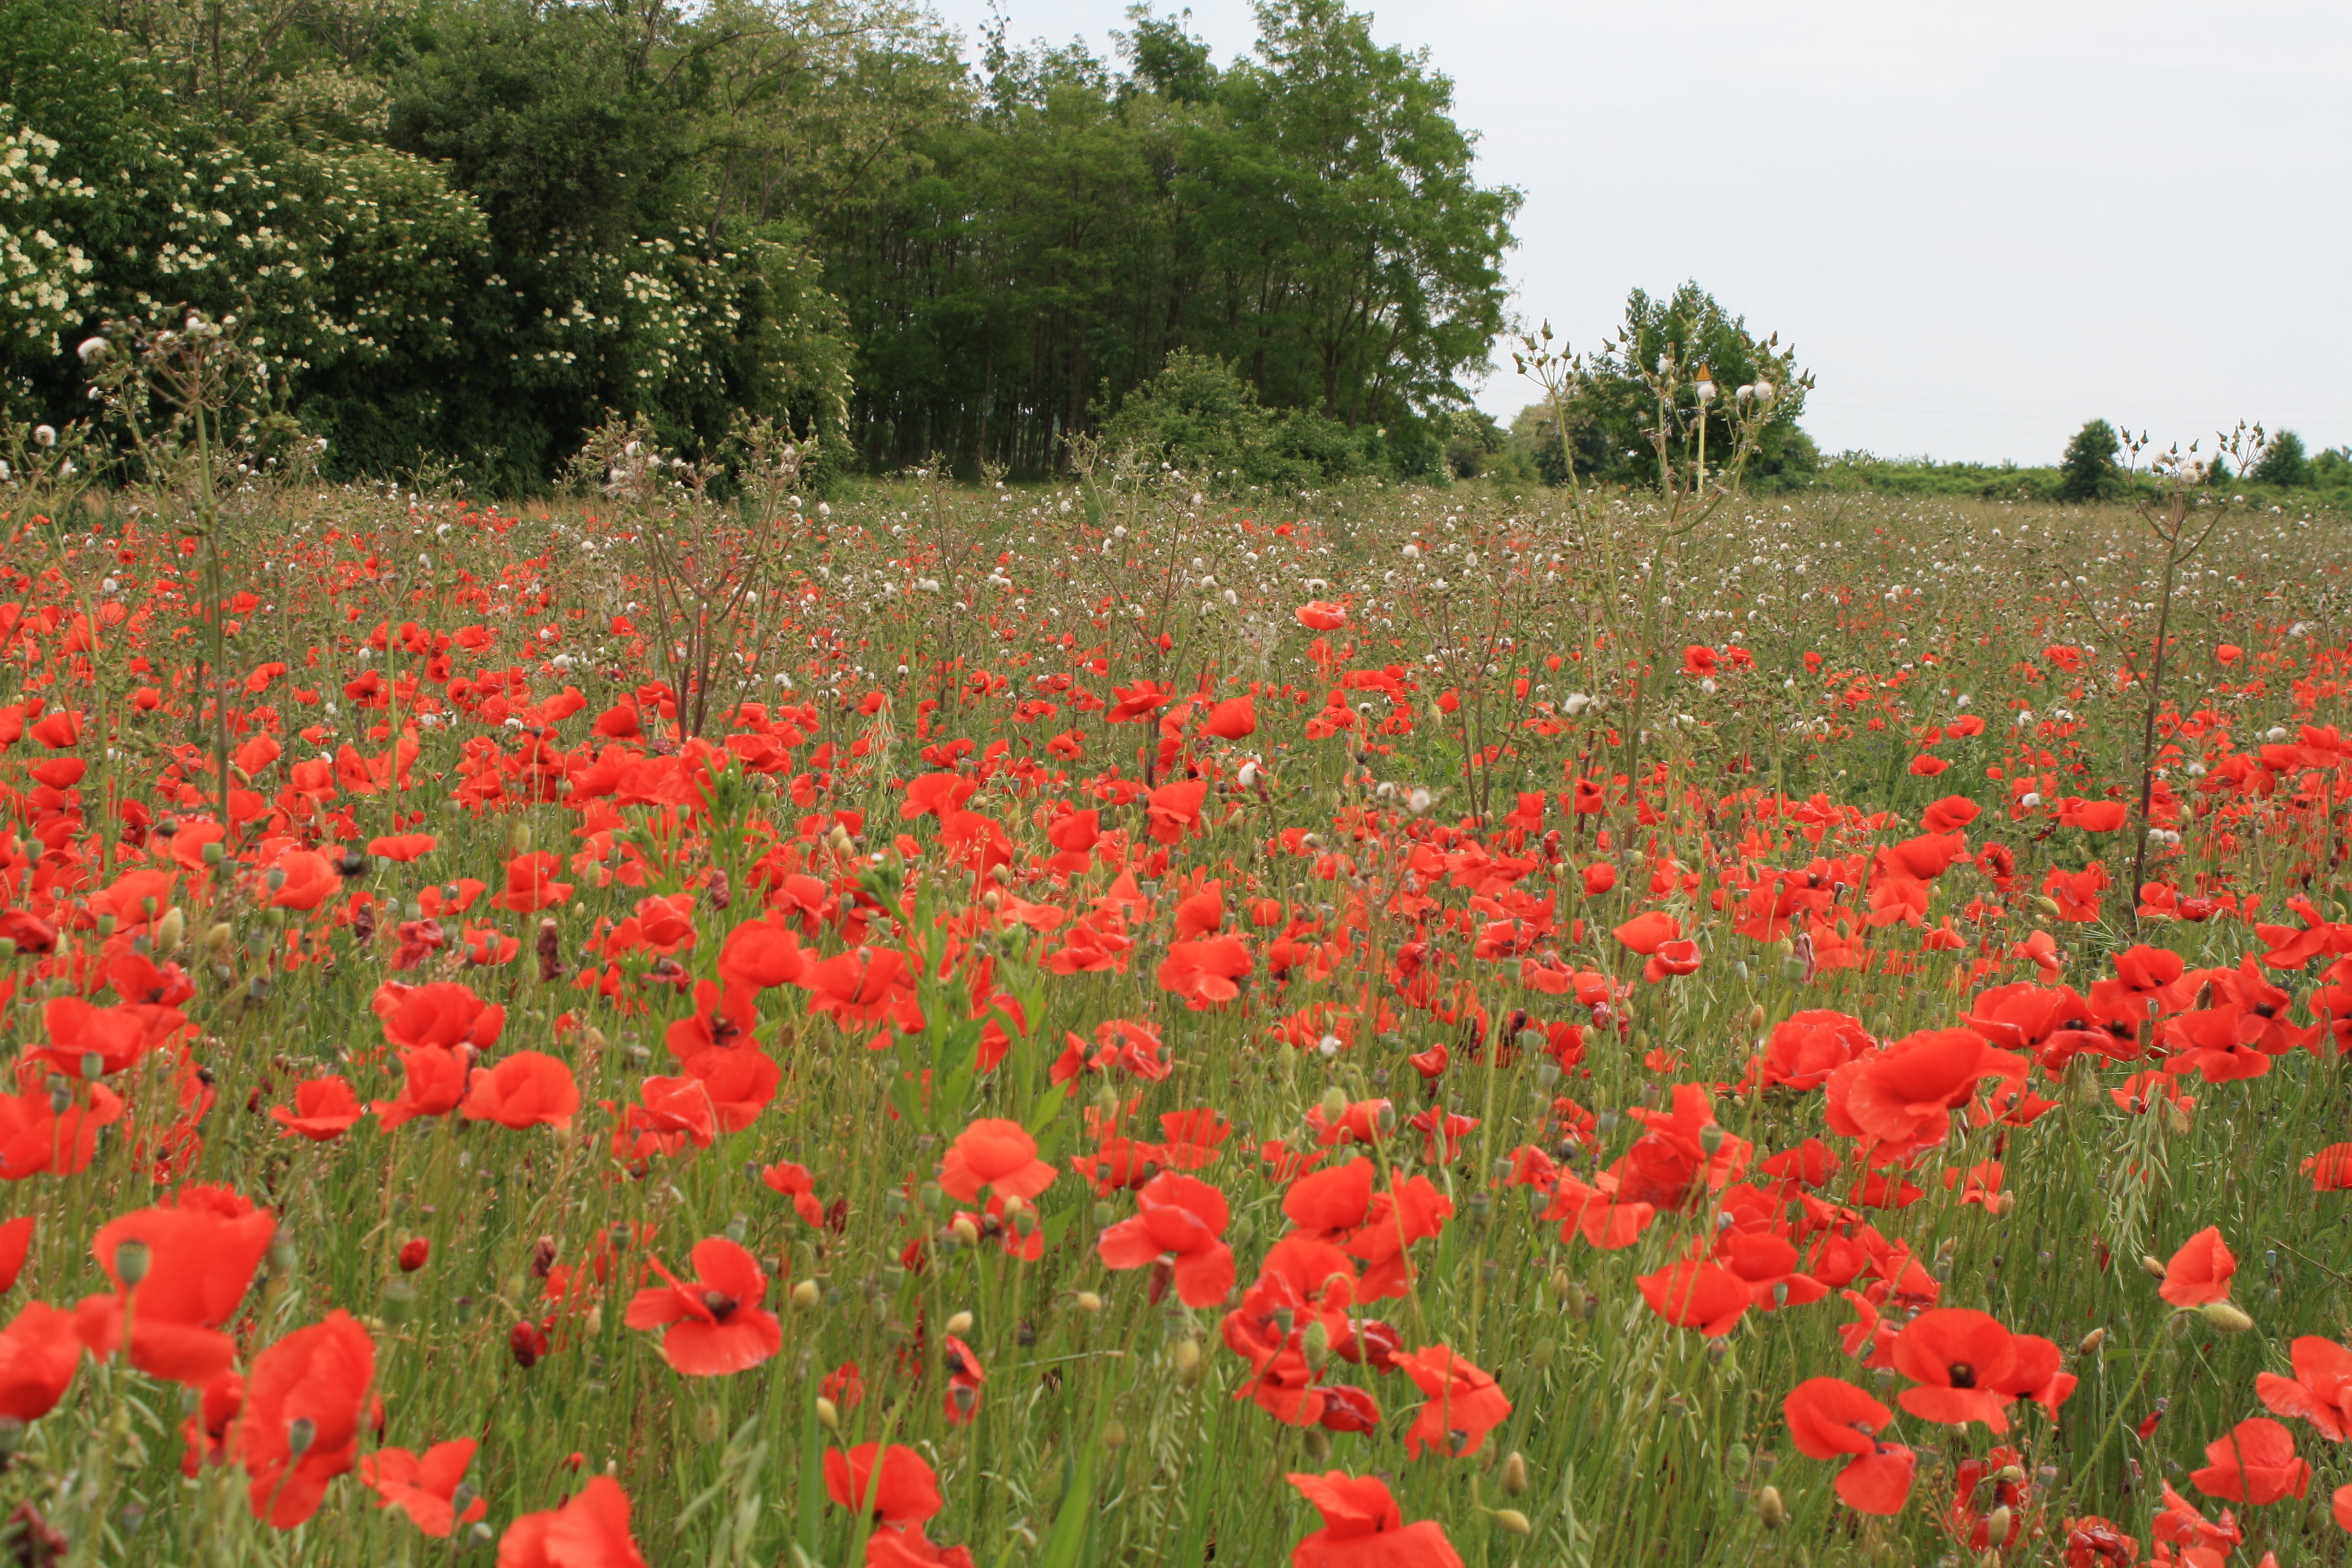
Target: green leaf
x=1068 y=1538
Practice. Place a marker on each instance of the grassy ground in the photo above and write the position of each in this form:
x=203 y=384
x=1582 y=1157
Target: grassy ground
x=1392 y=855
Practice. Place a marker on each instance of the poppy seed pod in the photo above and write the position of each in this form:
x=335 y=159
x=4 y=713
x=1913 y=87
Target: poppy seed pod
x=130 y=1260
x=2226 y=1316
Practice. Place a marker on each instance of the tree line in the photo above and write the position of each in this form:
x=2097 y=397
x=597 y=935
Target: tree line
x=457 y=234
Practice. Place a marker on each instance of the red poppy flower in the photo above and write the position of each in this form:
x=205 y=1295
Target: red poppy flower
x=433 y=1083
x=444 y=1014
x=210 y=1428
x=590 y=1530
x=1694 y=1294
x=2092 y=815
x=795 y=1182
x=1131 y=704
x=304 y=1402
x=1205 y=972
x=301 y=879
x=862 y=986
x=2320 y=1391
x=200 y=1256
x=1805 y=1048
x=1672 y=958
x=759 y=954
x=1182 y=1218
x=1465 y=1403
x=324 y=1108
x=1363 y=1528
x=2199 y=1272
x=910 y=1548
x=997 y=1155
x=1648 y=932
x=1232 y=720
x=529 y=1088
x=1950 y=815
x=1172 y=810
x=1904 y=1095
x=37 y=1135
x=530 y=884
x=402 y=848
x=115 y=1036
x=424 y=1487
x=716 y=1325
x=1322 y=616
x=58 y=729
x=2257 y=1463
x=904 y=1491
x=1960 y=1358
x=965 y=1376
x=15 y=1241
x=40 y=1351
x=1828 y=1417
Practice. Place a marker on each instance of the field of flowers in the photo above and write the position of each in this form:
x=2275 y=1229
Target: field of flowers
x=1097 y=1025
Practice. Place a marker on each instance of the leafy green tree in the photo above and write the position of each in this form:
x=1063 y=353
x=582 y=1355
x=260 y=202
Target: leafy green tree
x=1613 y=413
x=2283 y=463
x=476 y=228
x=1201 y=415
x=1473 y=438
x=2088 y=471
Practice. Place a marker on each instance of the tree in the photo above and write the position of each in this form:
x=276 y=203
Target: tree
x=2089 y=471
x=2283 y=463
x=1201 y=415
x=1613 y=411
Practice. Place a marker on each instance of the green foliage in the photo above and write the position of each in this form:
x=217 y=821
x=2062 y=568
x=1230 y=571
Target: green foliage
x=1474 y=442
x=465 y=233
x=1310 y=216
x=2088 y=471
x=1201 y=416
x=44 y=282
x=1614 y=411
x=2283 y=464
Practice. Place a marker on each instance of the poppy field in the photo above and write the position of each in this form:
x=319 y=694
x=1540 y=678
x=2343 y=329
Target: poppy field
x=1102 y=1024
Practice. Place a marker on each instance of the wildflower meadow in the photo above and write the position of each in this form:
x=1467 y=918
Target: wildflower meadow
x=1130 y=1019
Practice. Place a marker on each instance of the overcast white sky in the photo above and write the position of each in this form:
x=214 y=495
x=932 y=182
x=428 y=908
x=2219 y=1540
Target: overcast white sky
x=1980 y=223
